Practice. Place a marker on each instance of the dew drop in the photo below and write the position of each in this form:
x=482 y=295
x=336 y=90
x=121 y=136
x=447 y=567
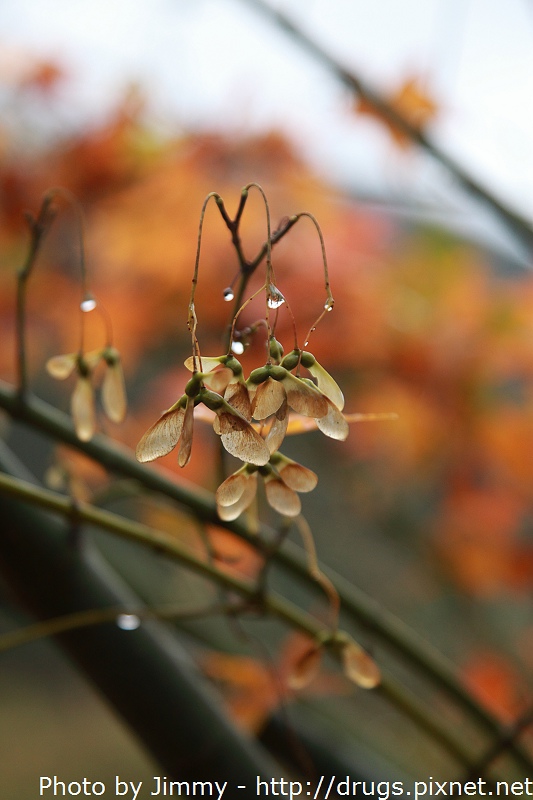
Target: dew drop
x=128 y=622
x=237 y=348
x=275 y=298
x=328 y=305
x=228 y=294
x=88 y=303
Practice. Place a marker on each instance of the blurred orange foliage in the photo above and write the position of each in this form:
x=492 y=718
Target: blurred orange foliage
x=497 y=685
x=254 y=689
x=422 y=326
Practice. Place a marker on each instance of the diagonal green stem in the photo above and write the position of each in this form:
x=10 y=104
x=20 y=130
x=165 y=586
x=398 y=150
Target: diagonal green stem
x=269 y=603
x=383 y=625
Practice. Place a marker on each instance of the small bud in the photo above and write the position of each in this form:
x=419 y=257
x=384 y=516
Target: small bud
x=275 y=349
x=291 y=360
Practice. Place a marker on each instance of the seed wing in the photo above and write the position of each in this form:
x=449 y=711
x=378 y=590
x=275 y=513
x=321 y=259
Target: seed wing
x=334 y=424
x=231 y=512
x=114 y=392
x=231 y=490
x=82 y=407
x=282 y=499
x=278 y=429
x=268 y=398
x=236 y=395
x=184 y=453
x=304 y=398
x=298 y=477
x=359 y=667
x=207 y=363
x=327 y=385
x=241 y=440
x=306 y=668
x=61 y=366
x=163 y=436
x=219 y=379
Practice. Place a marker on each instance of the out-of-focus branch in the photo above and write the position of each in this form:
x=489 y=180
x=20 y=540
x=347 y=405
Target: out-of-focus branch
x=163 y=543
x=145 y=674
x=377 y=621
x=274 y=605
x=520 y=225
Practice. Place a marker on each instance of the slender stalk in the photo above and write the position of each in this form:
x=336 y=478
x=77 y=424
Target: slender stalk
x=192 y=320
x=327 y=585
x=162 y=543
x=38 y=228
x=98 y=616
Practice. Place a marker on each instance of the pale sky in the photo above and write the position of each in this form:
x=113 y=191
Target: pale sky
x=219 y=64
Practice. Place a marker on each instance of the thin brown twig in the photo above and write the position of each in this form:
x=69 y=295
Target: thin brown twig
x=38 y=226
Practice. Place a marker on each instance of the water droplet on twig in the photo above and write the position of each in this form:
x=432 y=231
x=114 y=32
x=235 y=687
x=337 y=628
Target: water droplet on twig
x=228 y=294
x=88 y=303
x=275 y=298
x=128 y=622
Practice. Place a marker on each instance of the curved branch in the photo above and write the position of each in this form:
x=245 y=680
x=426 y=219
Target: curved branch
x=268 y=603
x=390 y=630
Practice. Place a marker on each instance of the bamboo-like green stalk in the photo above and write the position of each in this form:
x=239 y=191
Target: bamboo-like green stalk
x=376 y=620
x=162 y=543
x=145 y=674
x=267 y=603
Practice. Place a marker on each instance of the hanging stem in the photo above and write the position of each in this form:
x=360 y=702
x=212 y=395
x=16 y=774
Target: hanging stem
x=87 y=302
x=314 y=570
x=38 y=228
x=99 y=616
x=329 y=303
x=234 y=322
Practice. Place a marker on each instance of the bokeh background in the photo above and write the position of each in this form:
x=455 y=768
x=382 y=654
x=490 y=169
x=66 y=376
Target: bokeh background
x=140 y=109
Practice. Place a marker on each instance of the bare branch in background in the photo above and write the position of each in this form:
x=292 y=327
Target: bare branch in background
x=515 y=222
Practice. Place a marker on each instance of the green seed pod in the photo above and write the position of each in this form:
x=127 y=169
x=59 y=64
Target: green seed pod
x=307 y=359
x=275 y=349
x=277 y=373
x=291 y=359
x=258 y=375
x=211 y=400
x=194 y=385
x=233 y=364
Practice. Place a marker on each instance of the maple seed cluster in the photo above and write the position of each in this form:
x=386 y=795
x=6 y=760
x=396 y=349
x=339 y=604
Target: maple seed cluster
x=252 y=418
x=82 y=401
